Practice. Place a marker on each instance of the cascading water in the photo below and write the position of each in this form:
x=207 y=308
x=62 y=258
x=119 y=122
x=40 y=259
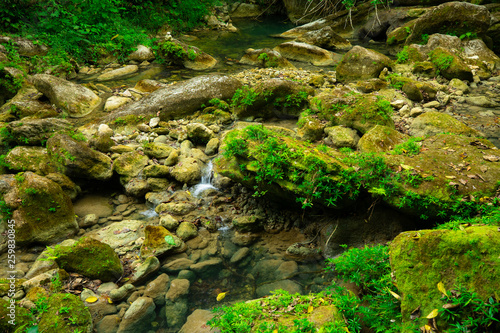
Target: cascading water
x=206 y=181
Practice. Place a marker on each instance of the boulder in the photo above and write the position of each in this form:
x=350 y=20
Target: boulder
x=186 y=230
x=199 y=133
x=91 y=258
x=158 y=241
x=36 y=131
x=158 y=150
x=28 y=48
x=306 y=53
x=115 y=102
x=143 y=53
x=130 y=164
x=35 y=159
x=242 y=9
x=77 y=318
x=325 y=38
x=138 y=316
x=341 y=136
x=26 y=103
x=182 y=98
x=75 y=99
x=361 y=64
x=310 y=128
x=119 y=233
x=75 y=159
x=157 y=289
x=459 y=17
x=450 y=65
x=118 y=73
x=188 y=171
x=42 y=212
x=174 y=51
x=432 y=123
x=459 y=260
x=197 y=322
x=178 y=288
x=265 y=58
x=379 y=139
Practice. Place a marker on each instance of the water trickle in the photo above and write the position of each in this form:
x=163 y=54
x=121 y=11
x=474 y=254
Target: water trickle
x=206 y=181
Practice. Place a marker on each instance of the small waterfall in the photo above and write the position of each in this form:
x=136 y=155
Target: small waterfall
x=206 y=181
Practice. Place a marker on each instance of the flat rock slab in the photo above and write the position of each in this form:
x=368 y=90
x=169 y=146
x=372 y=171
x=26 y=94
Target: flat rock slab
x=119 y=233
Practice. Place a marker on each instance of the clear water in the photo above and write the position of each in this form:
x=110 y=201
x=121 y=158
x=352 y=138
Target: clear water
x=206 y=181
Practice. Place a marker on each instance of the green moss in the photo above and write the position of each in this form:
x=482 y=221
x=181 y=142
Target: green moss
x=77 y=318
x=421 y=259
x=90 y=258
x=23 y=318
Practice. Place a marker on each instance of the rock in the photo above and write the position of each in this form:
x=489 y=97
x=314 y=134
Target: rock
x=28 y=48
x=412 y=92
x=115 y=102
x=178 y=288
x=158 y=150
x=482 y=101
x=288 y=285
x=177 y=265
x=36 y=131
x=118 y=73
x=75 y=159
x=73 y=98
x=240 y=10
x=305 y=53
x=88 y=221
x=361 y=64
x=451 y=257
x=379 y=139
x=287 y=270
x=156 y=170
x=81 y=319
x=157 y=289
x=199 y=133
x=169 y=222
x=432 y=123
x=449 y=65
x=139 y=316
x=143 y=53
x=119 y=233
x=42 y=212
x=207 y=268
x=174 y=51
x=137 y=187
x=108 y=324
x=248 y=223
x=341 y=136
x=459 y=85
x=130 y=164
x=27 y=104
x=265 y=58
x=325 y=38
x=121 y=293
x=203 y=61
x=91 y=258
x=462 y=16
x=175 y=208
x=239 y=255
x=158 y=241
x=175 y=313
x=187 y=172
x=182 y=98
x=186 y=230
x=196 y=322
x=148 y=86
x=145 y=270
x=35 y=159
x=310 y=128
x=212 y=147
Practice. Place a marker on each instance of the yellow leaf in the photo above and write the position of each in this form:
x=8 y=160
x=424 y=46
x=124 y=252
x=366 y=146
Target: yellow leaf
x=427 y=328
x=442 y=289
x=433 y=314
x=114 y=37
x=396 y=296
x=221 y=296
x=189 y=193
x=407 y=167
x=275 y=331
x=91 y=299
x=110 y=301
x=310 y=309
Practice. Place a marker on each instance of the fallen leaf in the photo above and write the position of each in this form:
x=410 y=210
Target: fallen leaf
x=396 y=296
x=450 y=306
x=91 y=299
x=472 y=176
x=433 y=314
x=221 y=296
x=468 y=168
x=463 y=182
x=483 y=168
x=310 y=309
x=491 y=158
x=450 y=177
x=170 y=239
x=441 y=288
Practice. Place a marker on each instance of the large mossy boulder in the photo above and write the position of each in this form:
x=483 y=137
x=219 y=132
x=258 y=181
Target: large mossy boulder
x=159 y=241
x=433 y=122
x=446 y=175
x=361 y=64
x=76 y=318
x=15 y=319
x=75 y=159
x=350 y=109
x=91 y=258
x=35 y=159
x=42 y=212
x=379 y=139
x=182 y=98
x=130 y=164
x=36 y=131
x=458 y=17
x=450 y=65
x=75 y=99
x=466 y=259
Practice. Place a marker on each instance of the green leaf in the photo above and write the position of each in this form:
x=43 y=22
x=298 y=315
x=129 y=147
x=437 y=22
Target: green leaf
x=170 y=240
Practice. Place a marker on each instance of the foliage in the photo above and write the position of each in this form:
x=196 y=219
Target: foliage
x=245 y=96
x=267 y=61
x=168 y=50
x=410 y=147
x=442 y=61
x=403 y=55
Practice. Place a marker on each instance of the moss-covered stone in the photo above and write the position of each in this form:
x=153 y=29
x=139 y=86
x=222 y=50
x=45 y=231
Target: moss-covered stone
x=6 y=284
x=310 y=128
x=450 y=65
x=361 y=64
x=14 y=318
x=379 y=139
x=42 y=212
x=158 y=241
x=65 y=313
x=432 y=123
x=90 y=258
x=157 y=150
x=421 y=259
x=33 y=159
x=130 y=164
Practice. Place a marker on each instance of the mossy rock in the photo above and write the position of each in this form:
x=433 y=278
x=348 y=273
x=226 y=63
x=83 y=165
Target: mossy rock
x=433 y=122
x=5 y=285
x=399 y=35
x=42 y=211
x=450 y=65
x=361 y=64
x=35 y=159
x=130 y=164
x=379 y=139
x=265 y=58
x=443 y=178
x=91 y=258
x=77 y=318
x=310 y=128
x=421 y=259
x=22 y=316
x=158 y=241
x=157 y=150
x=424 y=68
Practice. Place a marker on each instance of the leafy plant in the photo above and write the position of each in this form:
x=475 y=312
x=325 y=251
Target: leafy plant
x=245 y=96
x=410 y=147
